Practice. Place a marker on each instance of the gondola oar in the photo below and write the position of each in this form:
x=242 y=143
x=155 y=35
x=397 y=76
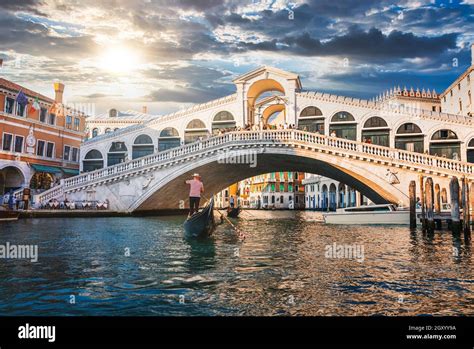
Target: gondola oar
x=241 y=234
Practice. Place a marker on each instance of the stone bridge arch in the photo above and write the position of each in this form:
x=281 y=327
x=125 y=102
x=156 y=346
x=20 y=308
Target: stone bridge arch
x=168 y=190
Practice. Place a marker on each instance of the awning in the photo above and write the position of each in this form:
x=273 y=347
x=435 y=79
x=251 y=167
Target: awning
x=70 y=171
x=47 y=169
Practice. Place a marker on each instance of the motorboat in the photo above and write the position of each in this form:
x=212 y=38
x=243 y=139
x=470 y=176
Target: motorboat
x=368 y=214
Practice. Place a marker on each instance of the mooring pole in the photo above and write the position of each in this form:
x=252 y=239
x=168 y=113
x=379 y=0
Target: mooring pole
x=429 y=205
x=471 y=202
x=437 y=205
x=465 y=205
x=444 y=196
x=454 y=193
x=437 y=198
x=412 y=196
x=422 y=202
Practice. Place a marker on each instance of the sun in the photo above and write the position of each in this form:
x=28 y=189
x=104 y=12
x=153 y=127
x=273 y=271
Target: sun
x=119 y=59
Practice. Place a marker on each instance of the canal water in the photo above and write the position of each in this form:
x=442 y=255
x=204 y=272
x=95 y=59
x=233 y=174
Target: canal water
x=146 y=266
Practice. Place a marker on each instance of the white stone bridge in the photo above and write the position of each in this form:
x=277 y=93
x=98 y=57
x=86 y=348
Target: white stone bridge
x=156 y=181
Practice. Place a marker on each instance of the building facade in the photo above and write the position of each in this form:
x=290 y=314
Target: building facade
x=457 y=98
x=275 y=190
x=114 y=120
x=323 y=194
x=40 y=140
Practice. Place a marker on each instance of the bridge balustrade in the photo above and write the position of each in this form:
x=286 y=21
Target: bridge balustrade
x=284 y=136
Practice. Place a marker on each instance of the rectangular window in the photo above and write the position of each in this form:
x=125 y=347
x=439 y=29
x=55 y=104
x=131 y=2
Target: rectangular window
x=67 y=151
x=20 y=109
x=52 y=119
x=75 y=154
x=43 y=114
x=68 y=121
x=19 y=144
x=9 y=103
x=40 y=148
x=50 y=150
x=77 y=123
x=7 y=141
x=433 y=108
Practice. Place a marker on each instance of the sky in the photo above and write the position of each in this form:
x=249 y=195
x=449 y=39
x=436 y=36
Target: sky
x=170 y=54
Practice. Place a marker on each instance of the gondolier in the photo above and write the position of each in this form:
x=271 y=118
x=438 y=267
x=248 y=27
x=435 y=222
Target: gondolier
x=195 y=190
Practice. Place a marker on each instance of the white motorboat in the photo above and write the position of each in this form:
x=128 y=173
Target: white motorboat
x=369 y=214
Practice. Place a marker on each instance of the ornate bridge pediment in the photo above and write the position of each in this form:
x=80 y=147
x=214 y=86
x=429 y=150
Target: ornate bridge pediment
x=267 y=72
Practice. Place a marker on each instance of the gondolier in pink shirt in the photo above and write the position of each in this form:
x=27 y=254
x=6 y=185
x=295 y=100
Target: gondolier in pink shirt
x=195 y=190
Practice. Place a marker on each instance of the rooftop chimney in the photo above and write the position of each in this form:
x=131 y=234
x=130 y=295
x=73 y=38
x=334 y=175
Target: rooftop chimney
x=144 y=109
x=58 y=92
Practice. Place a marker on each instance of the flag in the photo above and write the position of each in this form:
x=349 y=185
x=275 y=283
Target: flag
x=35 y=105
x=21 y=99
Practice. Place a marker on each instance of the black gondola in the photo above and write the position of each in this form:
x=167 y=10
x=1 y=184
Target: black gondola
x=201 y=223
x=233 y=212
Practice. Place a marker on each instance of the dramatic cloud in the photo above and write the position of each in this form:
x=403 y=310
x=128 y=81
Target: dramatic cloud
x=173 y=52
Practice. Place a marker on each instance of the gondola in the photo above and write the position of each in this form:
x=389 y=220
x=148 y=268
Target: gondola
x=201 y=223
x=233 y=212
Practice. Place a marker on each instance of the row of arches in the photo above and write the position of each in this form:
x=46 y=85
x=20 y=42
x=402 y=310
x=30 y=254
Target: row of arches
x=168 y=138
x=195 y=129
x=375 y=130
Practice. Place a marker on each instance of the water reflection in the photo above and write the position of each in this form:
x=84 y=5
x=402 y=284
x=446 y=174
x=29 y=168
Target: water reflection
x=280 y=269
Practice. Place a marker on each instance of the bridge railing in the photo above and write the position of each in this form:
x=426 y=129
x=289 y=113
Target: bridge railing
x=285 y=136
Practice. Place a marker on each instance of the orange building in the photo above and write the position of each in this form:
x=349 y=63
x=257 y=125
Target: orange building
x=40 y=141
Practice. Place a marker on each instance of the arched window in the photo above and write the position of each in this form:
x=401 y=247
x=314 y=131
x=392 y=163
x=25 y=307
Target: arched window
x=195 y=130
x=108 y=130
x=92 y=161
x=445 y=143
x=444 y=135
x=115 y=129
x=343 y=125
x=324 y=197
x=375 y=122
x=408 y=128
x=117 y=153
x=376 y=131
x=311 y=111
x=196 y=123
x=470 y=151
x=409 y=137
x=311 y=119
x=142 y=146
x=169 y=138
x=223 y=120
x=342 y=116
x=95 y=132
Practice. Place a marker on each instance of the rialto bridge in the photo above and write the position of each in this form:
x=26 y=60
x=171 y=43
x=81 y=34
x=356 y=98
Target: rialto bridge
x=364 y=144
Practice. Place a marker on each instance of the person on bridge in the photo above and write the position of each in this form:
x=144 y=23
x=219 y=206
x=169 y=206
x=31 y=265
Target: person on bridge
x=195 y=190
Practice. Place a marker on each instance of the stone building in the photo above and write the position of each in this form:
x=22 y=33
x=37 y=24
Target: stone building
x=40 y=140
